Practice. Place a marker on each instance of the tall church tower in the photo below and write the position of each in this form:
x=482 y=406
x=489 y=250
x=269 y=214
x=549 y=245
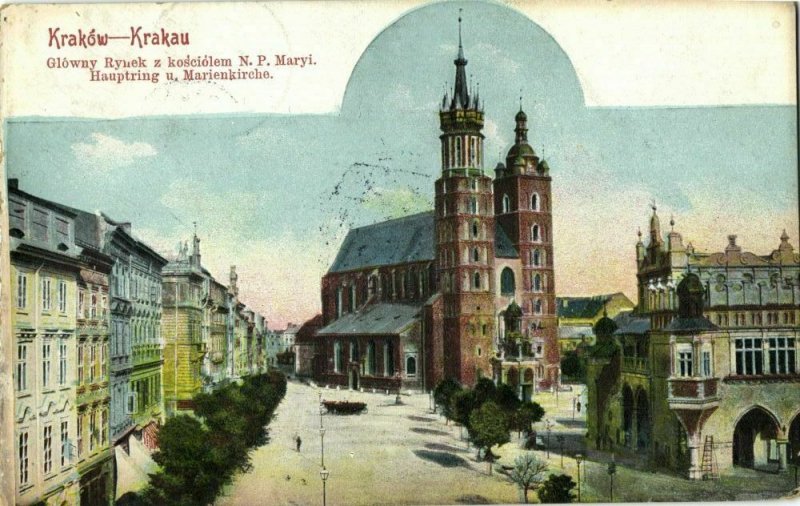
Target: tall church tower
x=465 y=235
x=523 y=208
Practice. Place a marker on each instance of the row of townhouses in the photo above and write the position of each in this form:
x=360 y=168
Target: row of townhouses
x=109 y=339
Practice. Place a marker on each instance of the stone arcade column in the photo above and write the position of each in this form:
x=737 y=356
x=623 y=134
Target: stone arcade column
x=695 y=472
x=783 y=446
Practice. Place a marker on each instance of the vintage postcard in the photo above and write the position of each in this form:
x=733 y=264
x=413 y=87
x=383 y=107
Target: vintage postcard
x=399 y=252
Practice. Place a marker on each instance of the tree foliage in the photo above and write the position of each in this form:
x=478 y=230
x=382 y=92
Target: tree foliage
x=557 y=490
x=443 y=394
x=461 y=406
x=573 y=366
x=199 y=454
x=528 y=472
x=488 y=426
x=526 y=415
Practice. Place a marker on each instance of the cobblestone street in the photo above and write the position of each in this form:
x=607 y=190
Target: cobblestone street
x=404 y=454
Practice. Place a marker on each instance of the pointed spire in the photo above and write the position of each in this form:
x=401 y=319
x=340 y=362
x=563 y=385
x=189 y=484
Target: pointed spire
x=460 y=90
x=460 y=47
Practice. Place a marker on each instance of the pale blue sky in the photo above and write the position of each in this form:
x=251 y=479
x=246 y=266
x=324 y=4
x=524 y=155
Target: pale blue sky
x=276 y=193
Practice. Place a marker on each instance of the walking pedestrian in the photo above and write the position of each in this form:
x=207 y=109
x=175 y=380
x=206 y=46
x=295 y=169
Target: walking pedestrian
x=299 y=442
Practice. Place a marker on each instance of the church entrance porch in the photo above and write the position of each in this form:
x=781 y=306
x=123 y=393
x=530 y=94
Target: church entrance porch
x=354 y=379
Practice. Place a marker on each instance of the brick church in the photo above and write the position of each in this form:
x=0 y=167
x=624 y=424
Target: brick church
x=464 y=291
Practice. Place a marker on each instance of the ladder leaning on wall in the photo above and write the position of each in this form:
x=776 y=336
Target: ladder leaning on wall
x=709 y=466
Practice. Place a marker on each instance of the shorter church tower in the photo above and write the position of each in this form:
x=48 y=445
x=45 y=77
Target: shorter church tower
x=522 y=202
x=464 y=222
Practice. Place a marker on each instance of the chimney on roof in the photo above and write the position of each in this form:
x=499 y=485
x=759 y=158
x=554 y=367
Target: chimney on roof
x=13 y=183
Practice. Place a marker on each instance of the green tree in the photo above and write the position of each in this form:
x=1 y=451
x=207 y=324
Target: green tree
x=557 y=490
x=573 y=366
x=528 y=472
x=506 y=398
x=488 y=426
x=443 y=394
x=526 y=415
x=485 y=390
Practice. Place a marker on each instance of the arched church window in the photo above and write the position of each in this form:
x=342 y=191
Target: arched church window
x=472 y=156
x=475 y=228
x=537 y=283
x=507 y=285
x=411 y=366
x=537 y=306
x=475 y=255
x=536 y=257
x=535 y=202
x=506 y=204
x=476 y=281
x=473 y=205
x=458 y=151
x=535 y=233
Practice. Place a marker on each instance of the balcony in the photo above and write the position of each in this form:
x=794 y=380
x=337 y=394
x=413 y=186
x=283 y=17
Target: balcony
x=692 y=391
x=636 y=365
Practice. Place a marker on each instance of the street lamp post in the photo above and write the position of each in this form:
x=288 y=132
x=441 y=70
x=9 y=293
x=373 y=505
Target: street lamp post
x=560 y=438
x=612 y=469
x=578 y=460
x=322 y=446
x=548 y=424
x=574 y=400
x=324 y=475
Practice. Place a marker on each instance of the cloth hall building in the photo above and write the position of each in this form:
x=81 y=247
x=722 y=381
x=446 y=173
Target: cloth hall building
x=463 y=291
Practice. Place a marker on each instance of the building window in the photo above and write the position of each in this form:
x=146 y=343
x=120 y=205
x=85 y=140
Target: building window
x=22 y=367
x=475 y=228
x=534 y=202
x=535 y=233
x=22 y=450
x=64 y=443
x=80 y=434
x=47 y=449
x=685 y=361
x=536 y=258
x=388 y=359
x=537 y=283
x=337 y=357
x=103 y=358
x=507 y=284
x=81 y=297
x=46 y=300
x=371 y=358
x=781 y=355
x=537 y=306
x=749 y=356
x=475 y=179
x=411 y=366
x=22 y=291
x=45 y=364
x=80 y=363
x=476 y=281
x=62 y=297
x=104 y=427
x=90 y=369
x=62 y=362
x=458 y=151
x=352 y=297
x=506 y=204
x=475 y=255
x=92 y=430
x=93 y=307
x=473 y=205
x=707 y=364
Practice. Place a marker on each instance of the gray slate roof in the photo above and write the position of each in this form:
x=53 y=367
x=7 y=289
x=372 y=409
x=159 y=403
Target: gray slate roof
x=690 y=324
x=407 y=239
x=379 y=319
x=629 y=324
x=574 y=331
x=503 y=248
x=398 y=241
